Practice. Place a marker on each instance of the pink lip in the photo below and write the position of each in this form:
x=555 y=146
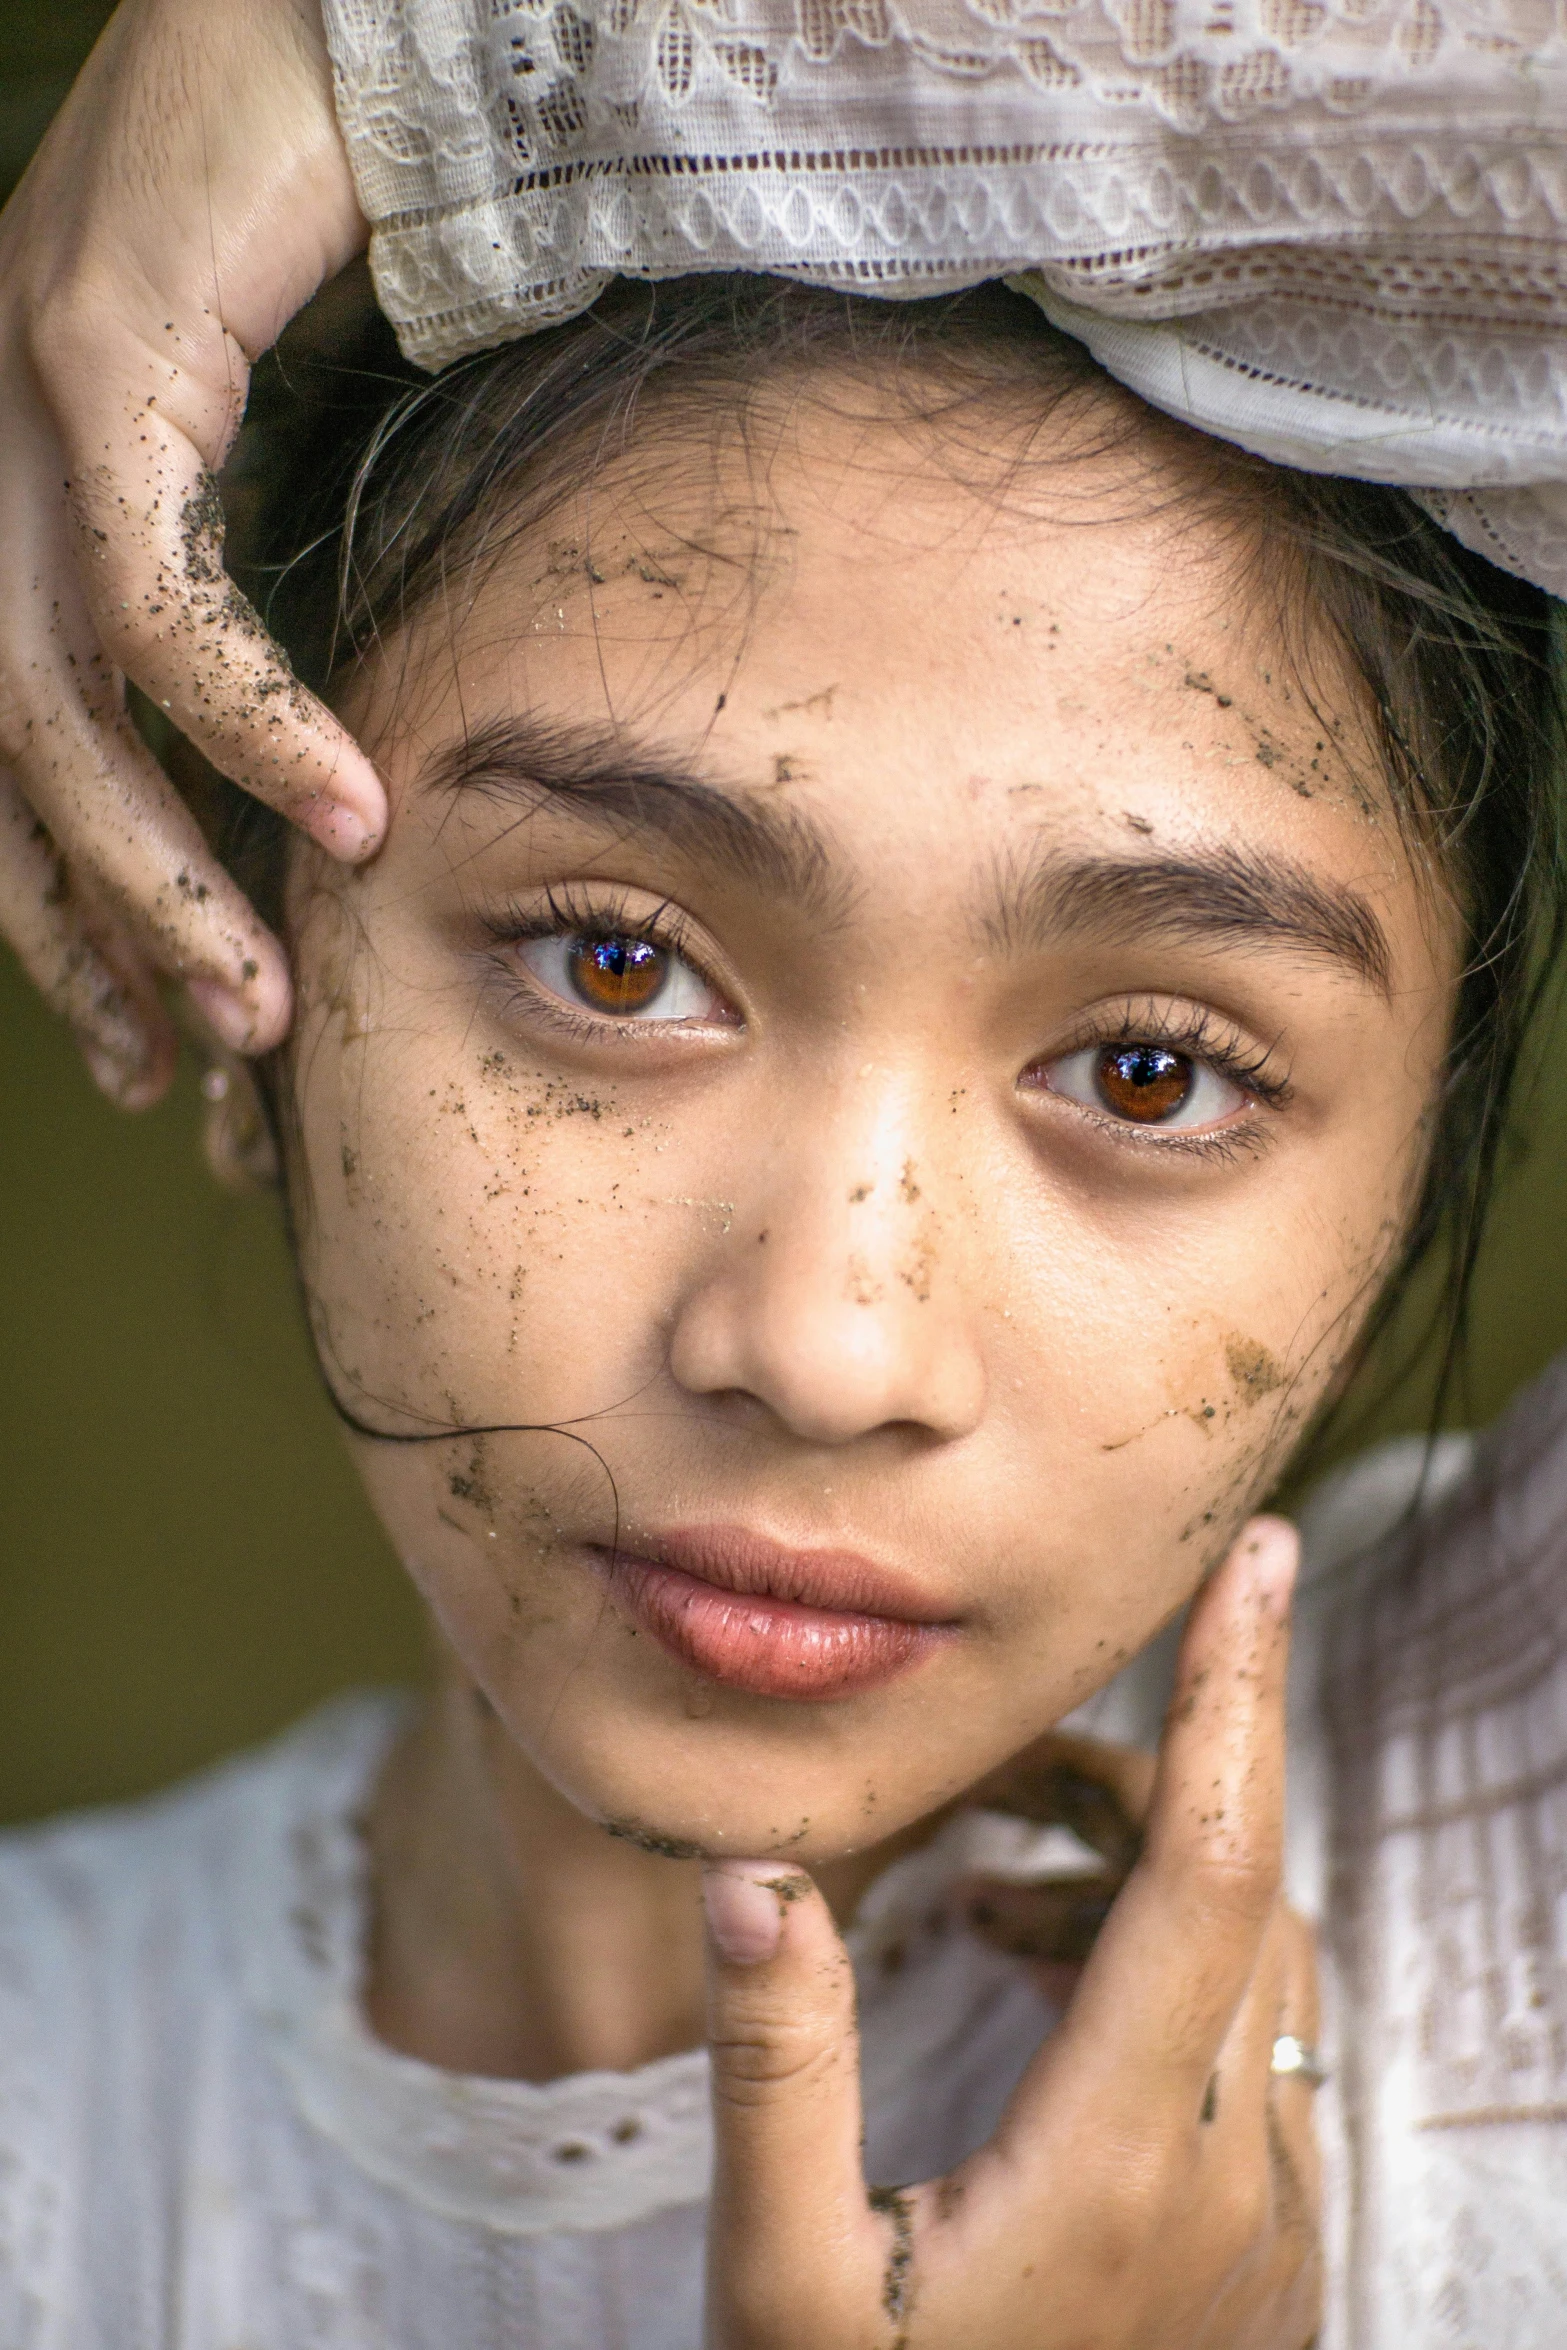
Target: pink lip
x=750 y=1612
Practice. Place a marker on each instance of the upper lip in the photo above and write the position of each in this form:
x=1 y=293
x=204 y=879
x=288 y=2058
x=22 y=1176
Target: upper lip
x=756 y=1566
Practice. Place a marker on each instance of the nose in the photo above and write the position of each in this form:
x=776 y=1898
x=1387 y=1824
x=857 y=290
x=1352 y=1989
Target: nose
x=837 y=1299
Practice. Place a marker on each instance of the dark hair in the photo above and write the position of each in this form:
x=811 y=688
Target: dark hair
x=362 y=491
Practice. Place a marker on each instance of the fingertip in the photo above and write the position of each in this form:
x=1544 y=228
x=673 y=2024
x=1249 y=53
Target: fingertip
x=350 y=817
x=250 y=1019
x=1239 y=1621
x=129 y=1045
x=346 y=832
x=746 y=1903
x=1270 y=1551
x=272 y=1003
x=138 y=1086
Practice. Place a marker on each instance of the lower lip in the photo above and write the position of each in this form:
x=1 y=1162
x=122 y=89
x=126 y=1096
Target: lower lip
x=769 y=1647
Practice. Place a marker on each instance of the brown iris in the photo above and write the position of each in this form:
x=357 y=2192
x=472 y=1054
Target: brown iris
x=617 y=974
x=1144 y=1082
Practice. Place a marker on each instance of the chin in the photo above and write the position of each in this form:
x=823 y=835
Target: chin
x=709 y=1787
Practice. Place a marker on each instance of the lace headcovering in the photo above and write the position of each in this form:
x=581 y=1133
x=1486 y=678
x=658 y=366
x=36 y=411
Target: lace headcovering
x=1334 y=231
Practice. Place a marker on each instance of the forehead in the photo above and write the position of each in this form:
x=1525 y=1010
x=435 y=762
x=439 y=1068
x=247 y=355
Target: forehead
x=839 y=614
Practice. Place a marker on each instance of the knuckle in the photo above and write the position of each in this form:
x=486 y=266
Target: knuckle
x=59 y=332
x=1235 y=1883
x=769 y=2058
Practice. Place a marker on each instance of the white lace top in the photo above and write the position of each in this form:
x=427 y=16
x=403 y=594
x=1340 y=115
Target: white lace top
x=1332 y=230
x=203 y=2148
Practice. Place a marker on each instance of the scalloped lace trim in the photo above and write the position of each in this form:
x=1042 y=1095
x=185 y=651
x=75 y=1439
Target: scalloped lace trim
x=1358 y=202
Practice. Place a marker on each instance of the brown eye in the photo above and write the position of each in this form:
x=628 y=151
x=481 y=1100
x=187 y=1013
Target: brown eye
x=626 y=979
x=617 y=974
x=1144 y=1082
x=1139 y=1082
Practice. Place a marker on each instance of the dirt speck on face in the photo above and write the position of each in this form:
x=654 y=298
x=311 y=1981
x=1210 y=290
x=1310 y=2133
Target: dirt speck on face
x=917 y=1272
x=649 y=1840
x=819 y=704
x=861 y=1284
x=1256 y=1373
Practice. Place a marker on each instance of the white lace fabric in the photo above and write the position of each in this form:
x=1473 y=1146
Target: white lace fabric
x=1332 y=230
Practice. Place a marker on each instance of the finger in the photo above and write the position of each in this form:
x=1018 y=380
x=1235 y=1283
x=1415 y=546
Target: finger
x=1294 y=2148
x=1055 y=1922
x=149 y=533
x=84 y=972
x=1295 y=2152
x=1135 y=2053
x=1095 y=1786
x=1257 y=2162
x=790 y=2234
x=125 y=833
x=140 y=330
x=132 y=843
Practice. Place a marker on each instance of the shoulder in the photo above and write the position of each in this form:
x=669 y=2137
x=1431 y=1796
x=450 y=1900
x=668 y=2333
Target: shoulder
x=109 y=1915
x=129 y=2053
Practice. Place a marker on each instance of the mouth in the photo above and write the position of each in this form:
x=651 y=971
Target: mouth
x=753 y=1614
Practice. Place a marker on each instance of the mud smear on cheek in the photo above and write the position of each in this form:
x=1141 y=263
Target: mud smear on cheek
x=516 y=1537
x=1255 y=1372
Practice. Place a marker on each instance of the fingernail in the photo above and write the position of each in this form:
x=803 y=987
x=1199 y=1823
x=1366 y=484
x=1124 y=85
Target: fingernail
x=231 y=1020
x=342 y=831
x=745 y=1901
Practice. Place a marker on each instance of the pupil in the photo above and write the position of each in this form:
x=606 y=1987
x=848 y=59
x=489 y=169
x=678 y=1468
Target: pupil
x=617 y=974
x=1143 y=1081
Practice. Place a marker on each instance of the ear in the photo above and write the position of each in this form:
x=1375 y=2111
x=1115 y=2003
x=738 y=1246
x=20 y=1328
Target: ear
x=236 y=1133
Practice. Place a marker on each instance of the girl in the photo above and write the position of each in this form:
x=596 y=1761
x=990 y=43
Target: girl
x=943 y=946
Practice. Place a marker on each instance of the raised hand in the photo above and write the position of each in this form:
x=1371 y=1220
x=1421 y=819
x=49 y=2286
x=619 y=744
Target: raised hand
x=1152 y=2186
x=191 y=196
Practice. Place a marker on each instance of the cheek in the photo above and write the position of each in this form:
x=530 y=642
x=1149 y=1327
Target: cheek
x=1161 y=1373
x=481 y=1242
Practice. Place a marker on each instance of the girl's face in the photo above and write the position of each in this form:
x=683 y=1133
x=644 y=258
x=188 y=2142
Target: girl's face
x=894 y=1029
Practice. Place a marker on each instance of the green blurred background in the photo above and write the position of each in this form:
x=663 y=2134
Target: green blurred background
x=185 y=1558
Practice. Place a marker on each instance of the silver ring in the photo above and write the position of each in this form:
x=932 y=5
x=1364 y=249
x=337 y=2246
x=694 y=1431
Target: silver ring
x=1297 y=2060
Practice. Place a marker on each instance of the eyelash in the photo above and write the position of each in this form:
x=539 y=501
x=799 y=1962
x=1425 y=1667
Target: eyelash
x=1201 y=1035
x=590 y=915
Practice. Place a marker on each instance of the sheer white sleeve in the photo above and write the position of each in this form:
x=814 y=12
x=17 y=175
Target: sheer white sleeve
x=1332 y=230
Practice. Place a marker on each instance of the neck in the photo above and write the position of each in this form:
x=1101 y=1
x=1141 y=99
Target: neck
x=511 y=1936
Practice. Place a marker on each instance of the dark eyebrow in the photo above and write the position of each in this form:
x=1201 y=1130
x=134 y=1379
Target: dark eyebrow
x=1218 y=897
x=632 y=787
